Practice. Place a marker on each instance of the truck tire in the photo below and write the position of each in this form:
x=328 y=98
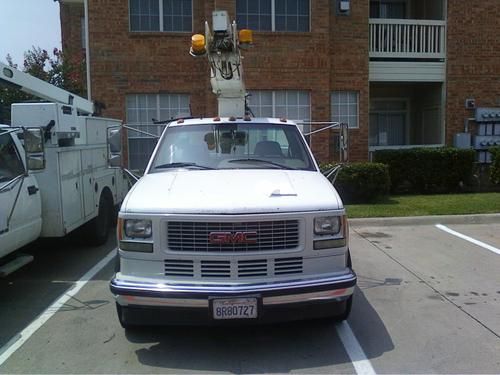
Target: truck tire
x=348 y=302
x=98 y=228
x=120 y=311
x=346 y=312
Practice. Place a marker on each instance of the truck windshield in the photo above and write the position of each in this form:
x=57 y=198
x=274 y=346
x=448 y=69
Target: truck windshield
x=232 y=146
x=11 y=165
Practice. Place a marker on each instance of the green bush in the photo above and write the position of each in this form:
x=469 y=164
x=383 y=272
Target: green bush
x=495 y=165
x=428 y=170
x=361 y=182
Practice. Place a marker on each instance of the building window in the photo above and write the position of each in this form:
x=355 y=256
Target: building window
x=344 y=107
x=161 y=15
x=273 y=15
x=388 y=9
x=388 y=122
x=293 y=105
x=142 y=110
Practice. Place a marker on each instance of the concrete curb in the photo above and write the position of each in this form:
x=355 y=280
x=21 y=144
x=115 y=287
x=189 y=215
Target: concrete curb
x=426 y=220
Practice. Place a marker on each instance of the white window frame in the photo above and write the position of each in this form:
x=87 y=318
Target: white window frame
x=334 y=107
x=274 y=105
x=149 y=125
x=273 y=19
x=161 y=21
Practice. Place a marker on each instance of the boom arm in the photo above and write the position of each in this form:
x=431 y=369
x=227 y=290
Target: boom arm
x=222 y=47
x=43 y=90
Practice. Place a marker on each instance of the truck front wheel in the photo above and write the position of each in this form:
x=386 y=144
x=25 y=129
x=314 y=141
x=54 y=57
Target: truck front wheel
x=121 y=311
x=98 y=228
x=347 y=305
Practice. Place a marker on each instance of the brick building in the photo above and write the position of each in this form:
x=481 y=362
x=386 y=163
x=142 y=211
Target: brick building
x=398 y=71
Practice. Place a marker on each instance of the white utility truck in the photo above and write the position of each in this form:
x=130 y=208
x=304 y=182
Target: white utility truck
x=54 y=174
x=232 y=220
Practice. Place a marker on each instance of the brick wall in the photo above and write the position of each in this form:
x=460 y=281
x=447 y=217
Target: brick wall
x=333 y=56
x=473 y=69
x=350 y=67
x=71 y=15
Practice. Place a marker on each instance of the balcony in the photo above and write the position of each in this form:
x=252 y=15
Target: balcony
x=407 y=39
x=407 y=50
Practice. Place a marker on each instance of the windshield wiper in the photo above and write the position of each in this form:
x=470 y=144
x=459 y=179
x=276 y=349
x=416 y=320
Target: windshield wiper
x=181 y=165
x=251 y=160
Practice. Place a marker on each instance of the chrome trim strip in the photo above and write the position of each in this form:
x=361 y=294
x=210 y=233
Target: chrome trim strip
x=123 y=285
x=158 y=302
x=308 y=297
x=203 y=303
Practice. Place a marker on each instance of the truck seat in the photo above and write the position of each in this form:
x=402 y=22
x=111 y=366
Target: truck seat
x=268 y=148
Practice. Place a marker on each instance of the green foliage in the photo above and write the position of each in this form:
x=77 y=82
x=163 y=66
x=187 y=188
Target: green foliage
x=424 y=205
x=361 y=182
x=428 y=170
x=495 y=165
x=58 y=69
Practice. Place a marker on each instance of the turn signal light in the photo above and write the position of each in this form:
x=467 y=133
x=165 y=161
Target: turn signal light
x=245 y=37
x=119 y=229
x=198 y=45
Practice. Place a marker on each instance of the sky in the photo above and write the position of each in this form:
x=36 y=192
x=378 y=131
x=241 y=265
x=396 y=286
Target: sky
x=27 y=23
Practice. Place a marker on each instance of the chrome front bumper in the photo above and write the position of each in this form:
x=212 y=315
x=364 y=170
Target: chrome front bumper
x=306 y=290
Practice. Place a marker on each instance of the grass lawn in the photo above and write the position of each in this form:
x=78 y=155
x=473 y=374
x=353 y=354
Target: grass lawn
x=422 y=205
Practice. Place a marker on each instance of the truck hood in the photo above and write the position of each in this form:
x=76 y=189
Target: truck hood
x=231 y=192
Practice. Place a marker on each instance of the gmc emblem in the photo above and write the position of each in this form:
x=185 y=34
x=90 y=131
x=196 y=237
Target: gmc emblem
x=227 y=238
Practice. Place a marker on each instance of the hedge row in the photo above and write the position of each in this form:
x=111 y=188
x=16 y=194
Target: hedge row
x=428 y=170
x=361 y=182
x=495 y=165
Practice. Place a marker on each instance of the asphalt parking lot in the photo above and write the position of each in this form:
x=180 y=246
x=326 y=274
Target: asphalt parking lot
x=427 y=301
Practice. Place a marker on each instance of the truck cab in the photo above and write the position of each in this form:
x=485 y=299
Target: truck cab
x=20 y=201
x=232 y=221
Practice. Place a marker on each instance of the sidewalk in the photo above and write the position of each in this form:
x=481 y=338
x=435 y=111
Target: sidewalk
x=426 y=220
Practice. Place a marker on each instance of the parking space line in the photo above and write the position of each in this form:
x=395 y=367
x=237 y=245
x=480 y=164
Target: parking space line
x=17 y=341
x=469 y=239
x=358 y=358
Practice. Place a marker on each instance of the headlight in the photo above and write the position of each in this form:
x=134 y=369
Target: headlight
x=138 y=228
x=327 y=225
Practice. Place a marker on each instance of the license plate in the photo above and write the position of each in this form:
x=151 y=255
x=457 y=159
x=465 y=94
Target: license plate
x=235 y=308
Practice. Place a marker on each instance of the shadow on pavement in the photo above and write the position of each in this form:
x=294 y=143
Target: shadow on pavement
x=367 y=325
x=312 y=345
x=58 y=263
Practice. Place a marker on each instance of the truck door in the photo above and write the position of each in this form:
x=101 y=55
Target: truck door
x=20 y=203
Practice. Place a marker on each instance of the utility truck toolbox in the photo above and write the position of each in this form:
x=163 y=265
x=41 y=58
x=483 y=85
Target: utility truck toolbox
x=232 y=221
x=55 y=169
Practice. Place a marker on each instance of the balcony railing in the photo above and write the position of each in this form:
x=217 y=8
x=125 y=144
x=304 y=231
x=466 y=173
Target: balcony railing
x=407 y=39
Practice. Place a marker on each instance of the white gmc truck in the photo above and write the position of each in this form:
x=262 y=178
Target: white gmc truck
x=232 y=221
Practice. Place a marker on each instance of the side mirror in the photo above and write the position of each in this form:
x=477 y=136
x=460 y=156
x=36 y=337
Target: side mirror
x=114 y=140
x=34 y=148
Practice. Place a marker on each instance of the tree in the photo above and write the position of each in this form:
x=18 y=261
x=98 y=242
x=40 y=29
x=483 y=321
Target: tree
x=62 y=70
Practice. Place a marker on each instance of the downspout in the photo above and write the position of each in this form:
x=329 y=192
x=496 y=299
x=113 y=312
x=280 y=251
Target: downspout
x=87 y=49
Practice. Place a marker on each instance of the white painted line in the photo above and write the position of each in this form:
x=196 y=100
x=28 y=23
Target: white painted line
x=17 y=341
x=358 y=358
x=467 y=238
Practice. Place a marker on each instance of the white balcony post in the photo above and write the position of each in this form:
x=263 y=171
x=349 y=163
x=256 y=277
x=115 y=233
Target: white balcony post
x=412 y=39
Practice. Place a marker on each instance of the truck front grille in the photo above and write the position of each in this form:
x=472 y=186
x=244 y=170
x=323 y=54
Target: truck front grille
x=216 y=268
x=249 y=268
x=233 y=237
x=178 y=267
